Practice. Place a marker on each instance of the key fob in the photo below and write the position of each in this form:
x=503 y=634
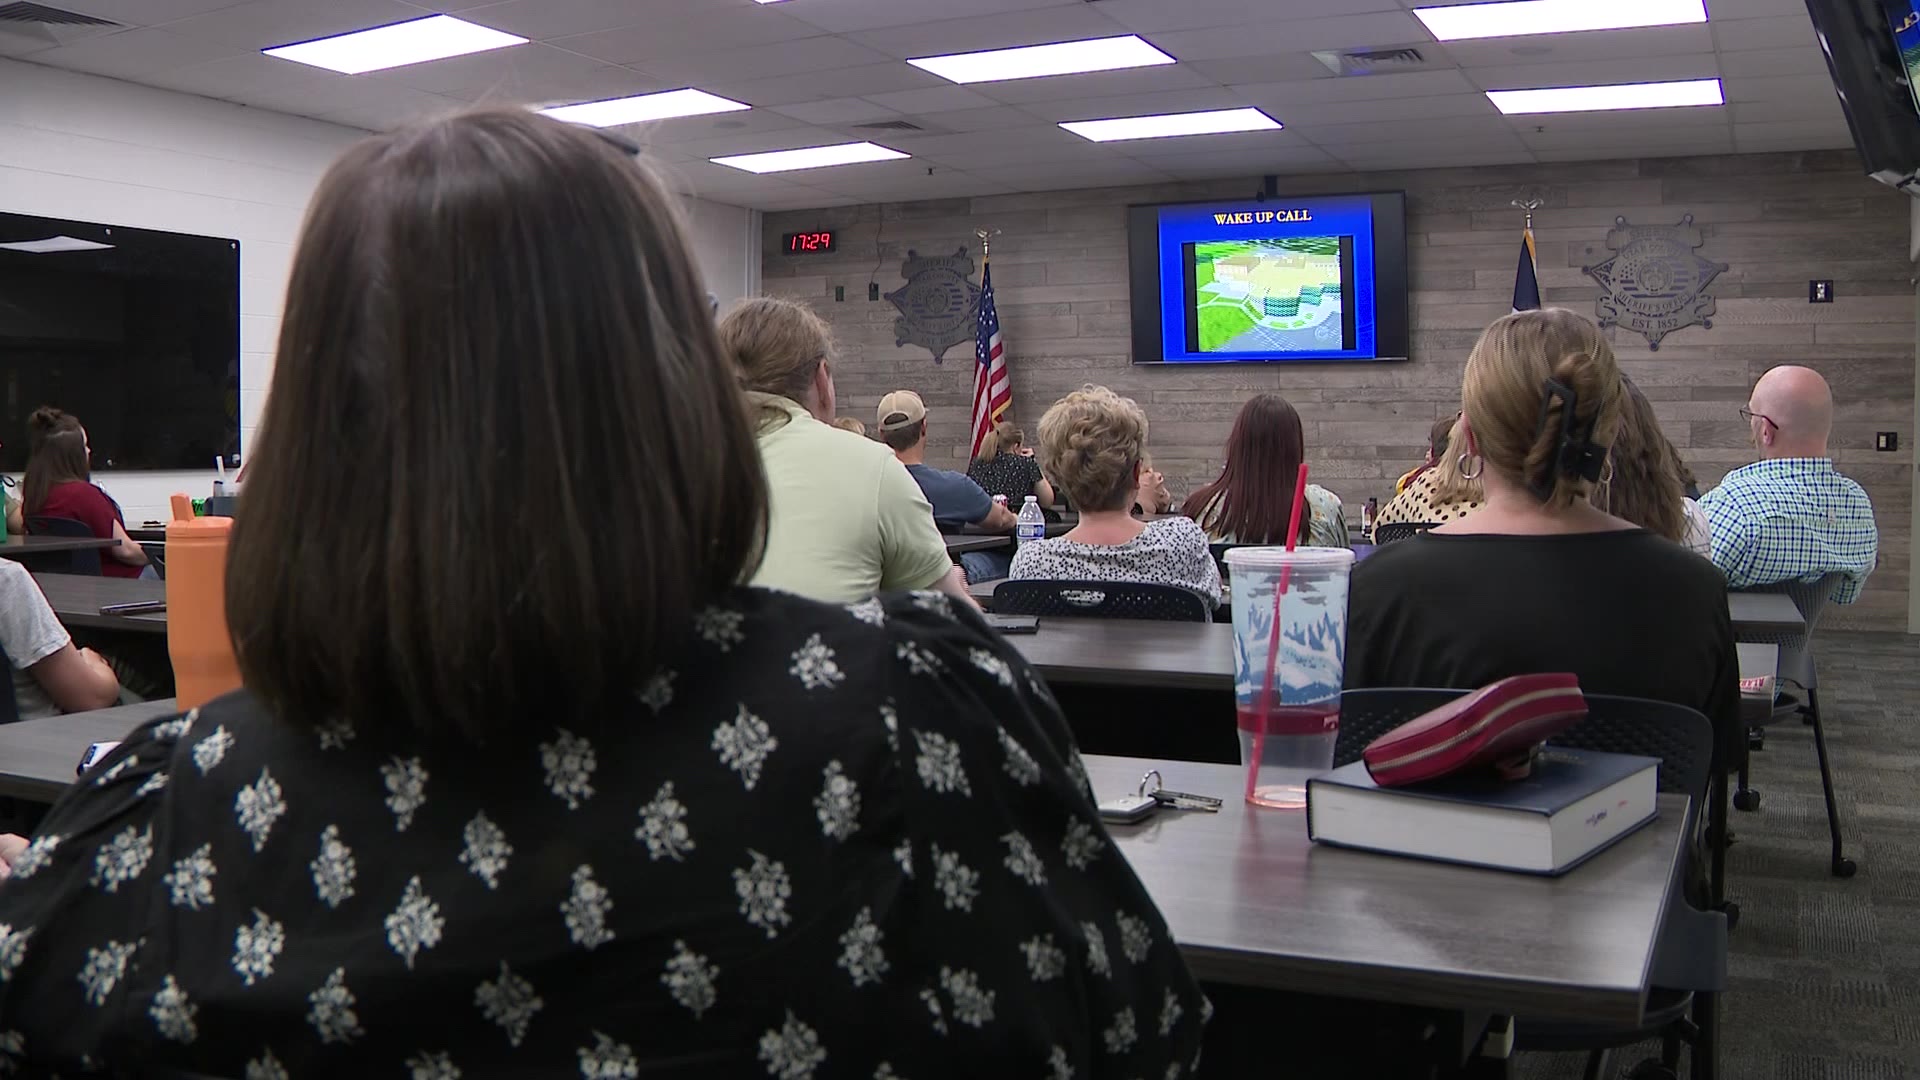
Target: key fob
x=1128 y=809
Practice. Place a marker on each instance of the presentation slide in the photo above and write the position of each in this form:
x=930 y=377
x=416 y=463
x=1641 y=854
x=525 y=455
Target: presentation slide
x=1273 y=295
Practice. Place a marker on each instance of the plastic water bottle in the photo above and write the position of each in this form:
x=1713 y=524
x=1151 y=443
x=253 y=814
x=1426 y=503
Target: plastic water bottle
x=1033 y=521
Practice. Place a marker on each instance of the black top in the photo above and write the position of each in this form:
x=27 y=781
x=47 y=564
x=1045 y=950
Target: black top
x=829 y=841
x=1628 y=612
x=1012 y=475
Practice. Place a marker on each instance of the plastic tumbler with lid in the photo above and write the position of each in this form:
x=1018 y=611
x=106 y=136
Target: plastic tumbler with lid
x=1289 y=712
x=197 y=639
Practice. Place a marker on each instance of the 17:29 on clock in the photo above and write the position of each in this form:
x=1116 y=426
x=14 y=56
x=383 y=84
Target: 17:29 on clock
x=809 y=243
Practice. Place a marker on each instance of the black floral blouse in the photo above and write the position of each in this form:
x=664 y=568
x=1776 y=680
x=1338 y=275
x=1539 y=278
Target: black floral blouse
x=828 y=841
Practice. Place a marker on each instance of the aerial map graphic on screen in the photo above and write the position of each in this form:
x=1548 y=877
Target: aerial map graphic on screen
x=1271 y=295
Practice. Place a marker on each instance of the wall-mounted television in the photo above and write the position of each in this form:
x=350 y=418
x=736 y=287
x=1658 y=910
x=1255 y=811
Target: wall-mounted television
x=1873 y=55
x=1286 y=279
x=135 y=332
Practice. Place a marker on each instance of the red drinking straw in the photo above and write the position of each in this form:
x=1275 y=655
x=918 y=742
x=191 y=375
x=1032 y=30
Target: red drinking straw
x=1273 y=635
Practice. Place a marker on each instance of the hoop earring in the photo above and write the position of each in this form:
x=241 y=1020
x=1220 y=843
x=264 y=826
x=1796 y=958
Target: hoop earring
x=1607 y=476
x=1479 y=466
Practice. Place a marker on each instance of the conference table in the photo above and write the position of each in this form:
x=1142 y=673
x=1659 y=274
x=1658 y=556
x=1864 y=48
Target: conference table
x=19 y=546
x=962 y=542
x=76 y=600
x=1252 y=902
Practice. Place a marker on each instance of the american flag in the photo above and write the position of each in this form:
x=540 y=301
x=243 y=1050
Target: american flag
x=992 y=384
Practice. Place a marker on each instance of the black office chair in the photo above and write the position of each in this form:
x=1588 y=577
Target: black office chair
x=1399 y=530
x=1797 y=668
x=85 y=561
x=1100 y=600
x=1690 y=965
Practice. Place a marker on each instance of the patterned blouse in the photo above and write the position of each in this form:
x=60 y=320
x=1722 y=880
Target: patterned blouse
x=826 y=841
x=1169 y=551
x=1012 y=475
x=1326 y=520
x=1416 y=505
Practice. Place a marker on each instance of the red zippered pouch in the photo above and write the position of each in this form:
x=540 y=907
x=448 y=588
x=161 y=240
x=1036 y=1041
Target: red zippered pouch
x=1497 y=725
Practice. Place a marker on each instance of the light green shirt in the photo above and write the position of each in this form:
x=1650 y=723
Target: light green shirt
x=846 y=521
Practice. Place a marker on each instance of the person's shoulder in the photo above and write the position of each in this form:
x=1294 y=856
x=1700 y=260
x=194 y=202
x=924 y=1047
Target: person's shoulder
x=1316 y=493
x=15 y=576
x=1177 y=531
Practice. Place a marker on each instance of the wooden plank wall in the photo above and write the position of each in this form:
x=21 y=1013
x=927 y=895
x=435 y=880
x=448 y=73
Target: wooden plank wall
x=1777 y=220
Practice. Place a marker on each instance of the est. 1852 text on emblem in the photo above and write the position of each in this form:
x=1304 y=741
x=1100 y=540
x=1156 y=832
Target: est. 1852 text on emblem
x=1655 y=283
x=937 y=304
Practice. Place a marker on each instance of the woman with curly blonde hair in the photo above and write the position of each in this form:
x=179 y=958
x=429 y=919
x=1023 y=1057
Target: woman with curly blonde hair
x=1093 y=442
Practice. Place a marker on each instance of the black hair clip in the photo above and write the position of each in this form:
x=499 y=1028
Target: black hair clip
x=1576 y=455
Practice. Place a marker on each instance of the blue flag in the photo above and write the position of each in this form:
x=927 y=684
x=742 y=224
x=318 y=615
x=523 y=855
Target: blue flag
x=1526 y=281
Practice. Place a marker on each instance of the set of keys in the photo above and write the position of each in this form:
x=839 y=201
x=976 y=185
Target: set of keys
x=1152 y=795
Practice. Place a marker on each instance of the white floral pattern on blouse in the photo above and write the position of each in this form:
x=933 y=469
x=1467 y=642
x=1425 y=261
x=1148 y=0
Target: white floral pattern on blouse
x=833 y=841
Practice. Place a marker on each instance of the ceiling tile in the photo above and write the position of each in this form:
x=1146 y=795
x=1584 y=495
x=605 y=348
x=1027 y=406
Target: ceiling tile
x=800 y=57
x=1706 y=116
x=1366 y=31
x=13 y=44
x=1150 y=15
x=534 y=66
x=755 y=142
x=1360 y=112
x=997 y=118
x=1206 y=146
x=1040 y=26
x=1780 y=32
x=544 y=20
x=850 y=110
x=1816 y=132
x=698 y=33
x=1727 y=10
x=263 y=24
x=1272 y=68
x=1777 y=87
x=847 y=16
x=1468 y=129
x=1169 y=101
x=1415 y=84
x=395 y=108
x=1805 y=59
x=712 y=126
x=862 y=81
x=1812 y=106
x=1597 y=72
x=1054 y=176
x=1435 y=156
x=1094 y=84
x=131 y=54
x=932 y=99
x=1556 y=137
x=1609 y=46
x=144 y=12
x=1251 y=163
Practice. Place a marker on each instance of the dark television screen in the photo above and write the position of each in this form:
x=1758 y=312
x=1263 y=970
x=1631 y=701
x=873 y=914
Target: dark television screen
x=1292 y=278
x=1872 y=48
x=135 y=332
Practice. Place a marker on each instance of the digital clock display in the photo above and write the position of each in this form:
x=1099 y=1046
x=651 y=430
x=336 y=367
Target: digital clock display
x=809 y=243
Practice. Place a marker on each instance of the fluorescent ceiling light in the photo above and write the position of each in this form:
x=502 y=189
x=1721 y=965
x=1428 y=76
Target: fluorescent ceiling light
x=1169 y=124
x=634 y=110
x=1658 y=95
x=1555 y=17
x=809 y=157
x=432 y=38
x=1034 y=61
x=54 y=243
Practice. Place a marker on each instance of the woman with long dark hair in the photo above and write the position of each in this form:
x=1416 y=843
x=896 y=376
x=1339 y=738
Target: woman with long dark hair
x=518 y=793
x=1252 y=499
x=59 y=484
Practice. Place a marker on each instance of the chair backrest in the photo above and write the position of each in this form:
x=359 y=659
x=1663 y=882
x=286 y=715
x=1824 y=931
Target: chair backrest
x=1796 y=660
x=86 y=561
x=1100 y=600
x=1399 y=530
x=1682 y=738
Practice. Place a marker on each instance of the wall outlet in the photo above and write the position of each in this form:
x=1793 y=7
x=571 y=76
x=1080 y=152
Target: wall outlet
x=839 y=294
x=1819 y=292
x=873 y=291
x=1886 y=440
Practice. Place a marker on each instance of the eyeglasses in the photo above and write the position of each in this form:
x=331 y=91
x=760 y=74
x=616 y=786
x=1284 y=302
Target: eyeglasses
x=1750 y=416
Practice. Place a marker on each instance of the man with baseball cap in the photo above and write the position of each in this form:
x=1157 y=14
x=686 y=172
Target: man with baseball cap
x=957 y=500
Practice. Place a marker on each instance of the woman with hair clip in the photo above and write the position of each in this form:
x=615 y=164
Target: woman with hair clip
x=1539 y=578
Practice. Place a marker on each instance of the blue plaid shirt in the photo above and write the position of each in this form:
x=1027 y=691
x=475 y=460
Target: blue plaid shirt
x=1792 y=519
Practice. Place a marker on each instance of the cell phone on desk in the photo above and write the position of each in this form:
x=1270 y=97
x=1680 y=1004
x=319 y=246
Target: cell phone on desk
x=1014 y=624
x=140 y=607
x=95 y=752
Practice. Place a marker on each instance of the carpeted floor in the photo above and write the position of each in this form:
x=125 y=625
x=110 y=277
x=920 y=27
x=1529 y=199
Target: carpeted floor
x=1826 y=973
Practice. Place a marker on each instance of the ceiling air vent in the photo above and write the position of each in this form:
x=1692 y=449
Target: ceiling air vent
x=42 y=15
x=889 y=125
x=1372 y=61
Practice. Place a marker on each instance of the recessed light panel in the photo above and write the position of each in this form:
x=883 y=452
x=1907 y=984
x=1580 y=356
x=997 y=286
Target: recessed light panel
x=432 y=38
x=1035 y=61
x=1464 y=21
x=635 y=110
x=1657 y=95
x=54 y=244
x=1171 y=124
x=809 y=157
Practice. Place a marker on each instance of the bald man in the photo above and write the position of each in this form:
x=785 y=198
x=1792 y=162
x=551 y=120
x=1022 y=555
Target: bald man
x=1790 y=516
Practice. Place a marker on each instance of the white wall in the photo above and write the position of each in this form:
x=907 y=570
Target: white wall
x=94 y=149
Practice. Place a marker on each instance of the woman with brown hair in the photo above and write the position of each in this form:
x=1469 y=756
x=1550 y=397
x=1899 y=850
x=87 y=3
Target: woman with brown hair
x=846 y=521
x=1005 y=466
x=59 y=484
x=528 y=795
x=1540 y=579
x=1644 y=480
x=1093 y=441
x=1439 y=494
x=1252 y=499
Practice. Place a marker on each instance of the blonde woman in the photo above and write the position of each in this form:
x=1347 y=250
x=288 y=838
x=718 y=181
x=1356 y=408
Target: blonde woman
x=1093 y=441
x=846 y=521
x=1539 y=578
x=1005 y=466
x=1438 y=495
